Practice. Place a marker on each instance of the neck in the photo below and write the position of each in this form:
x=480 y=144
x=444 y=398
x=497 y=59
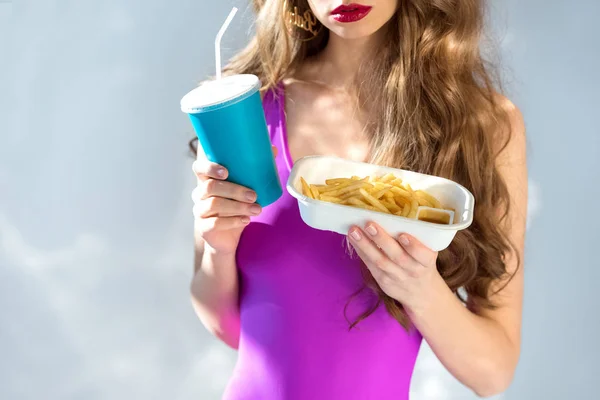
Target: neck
x=341 y=60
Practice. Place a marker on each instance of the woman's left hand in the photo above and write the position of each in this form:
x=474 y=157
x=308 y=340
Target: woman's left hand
x=403 y=267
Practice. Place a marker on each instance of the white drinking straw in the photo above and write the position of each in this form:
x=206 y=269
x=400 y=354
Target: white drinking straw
x=218 y=40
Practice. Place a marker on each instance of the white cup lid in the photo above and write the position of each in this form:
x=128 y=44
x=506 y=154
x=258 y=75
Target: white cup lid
x=215 y=94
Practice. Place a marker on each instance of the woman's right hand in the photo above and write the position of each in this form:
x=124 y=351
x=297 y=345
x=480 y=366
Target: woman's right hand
x=222 y=209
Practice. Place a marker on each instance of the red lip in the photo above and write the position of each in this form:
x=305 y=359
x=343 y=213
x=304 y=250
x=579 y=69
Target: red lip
x=350 y=12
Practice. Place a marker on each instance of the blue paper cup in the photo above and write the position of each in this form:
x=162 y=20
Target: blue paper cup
x=229 y=120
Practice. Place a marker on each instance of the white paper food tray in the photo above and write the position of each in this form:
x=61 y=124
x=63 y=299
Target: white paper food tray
x=339 y=218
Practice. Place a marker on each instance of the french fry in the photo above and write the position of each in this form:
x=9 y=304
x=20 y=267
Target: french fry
x=346 y=183
x=336 y=181
x=387 y=194
x=355 y=201
x=423 y=202
x=315 y=192
x=333 y=188
x=402 y=201
x=432 y=200
x=392 y=207
x=400 y=192
x=350 y=188
x=387 y=178
x=414 y=207
x=349 y=195
x=406 y=210
x=330 y=199
x=306 y=189
x=373 y=201
x=396 y=182
x=379 y=194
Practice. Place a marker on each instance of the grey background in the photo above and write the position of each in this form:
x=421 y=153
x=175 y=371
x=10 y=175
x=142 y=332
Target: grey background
x=95 y=220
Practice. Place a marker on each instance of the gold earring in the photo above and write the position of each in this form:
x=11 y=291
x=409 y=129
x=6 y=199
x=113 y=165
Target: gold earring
x=307 y=21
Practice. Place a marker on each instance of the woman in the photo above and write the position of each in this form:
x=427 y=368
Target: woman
x=398 y=83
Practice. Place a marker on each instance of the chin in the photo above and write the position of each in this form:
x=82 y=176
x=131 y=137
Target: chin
x=352 y=33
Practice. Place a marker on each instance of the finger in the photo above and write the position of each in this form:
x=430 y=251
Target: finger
x=205 y=169
x=218 y=206
x=275 y=151
x=417 y=250
x=389 y=246
x=370 y=254
x=208 y=225
x=228 y=190
x=377 y=273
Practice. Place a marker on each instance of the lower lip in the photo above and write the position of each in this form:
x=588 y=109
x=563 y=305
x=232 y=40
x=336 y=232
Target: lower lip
x=351 y=16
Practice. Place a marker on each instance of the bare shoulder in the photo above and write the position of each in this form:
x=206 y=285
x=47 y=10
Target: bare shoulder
x=507 y=105
x=515 y=148
x=512 y=166
x=515 y=116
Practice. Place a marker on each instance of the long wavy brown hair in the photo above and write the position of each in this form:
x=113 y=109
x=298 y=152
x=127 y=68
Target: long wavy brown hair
x=438 y=112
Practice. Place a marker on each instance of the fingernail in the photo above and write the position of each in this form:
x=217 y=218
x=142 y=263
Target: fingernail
x=404 y=241
x=245 y=220
x=371 y=230
x=221 y=172
x=251 y=196
x=255 y=209
x=356 y=234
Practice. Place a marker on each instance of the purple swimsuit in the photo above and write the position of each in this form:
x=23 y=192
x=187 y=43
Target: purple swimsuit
x=295 y=343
